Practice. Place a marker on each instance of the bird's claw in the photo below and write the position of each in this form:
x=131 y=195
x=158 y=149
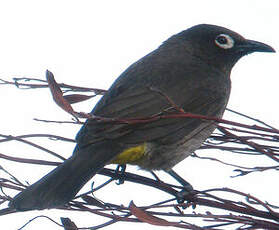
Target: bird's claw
x=120 y=172
x=185 y=194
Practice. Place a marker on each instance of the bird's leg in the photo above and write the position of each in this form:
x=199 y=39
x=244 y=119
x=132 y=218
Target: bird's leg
x=187 y=187
x=179 y=179
x=119 y=172
x=155 y=176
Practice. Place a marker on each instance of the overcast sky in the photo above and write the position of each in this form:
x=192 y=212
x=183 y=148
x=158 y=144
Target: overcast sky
x=89 y=43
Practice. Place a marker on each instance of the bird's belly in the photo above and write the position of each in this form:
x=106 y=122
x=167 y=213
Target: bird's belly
x=154 y=156
x=165 y=157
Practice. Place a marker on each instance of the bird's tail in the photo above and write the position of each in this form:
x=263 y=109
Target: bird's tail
x=61 y=185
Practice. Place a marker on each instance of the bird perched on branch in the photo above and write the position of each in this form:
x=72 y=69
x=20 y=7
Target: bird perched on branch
x=189 y=72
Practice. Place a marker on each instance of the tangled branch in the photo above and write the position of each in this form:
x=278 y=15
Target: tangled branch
x=241 y=211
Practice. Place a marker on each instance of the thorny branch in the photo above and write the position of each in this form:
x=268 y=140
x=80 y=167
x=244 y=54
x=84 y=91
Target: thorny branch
x=242 y=211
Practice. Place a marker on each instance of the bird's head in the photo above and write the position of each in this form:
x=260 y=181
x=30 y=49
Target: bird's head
x=217 y=45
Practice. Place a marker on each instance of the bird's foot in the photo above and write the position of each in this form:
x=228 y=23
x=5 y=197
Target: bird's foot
x=185 y=194
x=120 y=174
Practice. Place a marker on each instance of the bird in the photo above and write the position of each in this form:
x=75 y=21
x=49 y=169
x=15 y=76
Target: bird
x=189 y=72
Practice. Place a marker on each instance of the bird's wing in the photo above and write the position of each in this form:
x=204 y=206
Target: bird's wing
x=128 y=101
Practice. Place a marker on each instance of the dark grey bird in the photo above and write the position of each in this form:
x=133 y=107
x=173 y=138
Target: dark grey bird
x=189 y=72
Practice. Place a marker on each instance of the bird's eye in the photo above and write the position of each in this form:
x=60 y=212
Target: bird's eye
x=224 y=41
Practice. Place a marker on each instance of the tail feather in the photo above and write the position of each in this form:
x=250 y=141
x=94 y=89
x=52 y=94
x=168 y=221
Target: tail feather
x=61 y=185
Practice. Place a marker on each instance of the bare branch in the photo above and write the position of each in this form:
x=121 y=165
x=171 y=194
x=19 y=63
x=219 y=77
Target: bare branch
x=240 y=211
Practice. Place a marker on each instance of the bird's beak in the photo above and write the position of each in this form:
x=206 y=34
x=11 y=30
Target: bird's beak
x=253 y=46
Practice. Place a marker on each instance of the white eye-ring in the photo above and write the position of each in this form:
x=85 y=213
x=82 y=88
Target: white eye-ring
x=224 y=41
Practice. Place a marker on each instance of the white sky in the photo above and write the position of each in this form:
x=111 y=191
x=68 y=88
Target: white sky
x=89 y=43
